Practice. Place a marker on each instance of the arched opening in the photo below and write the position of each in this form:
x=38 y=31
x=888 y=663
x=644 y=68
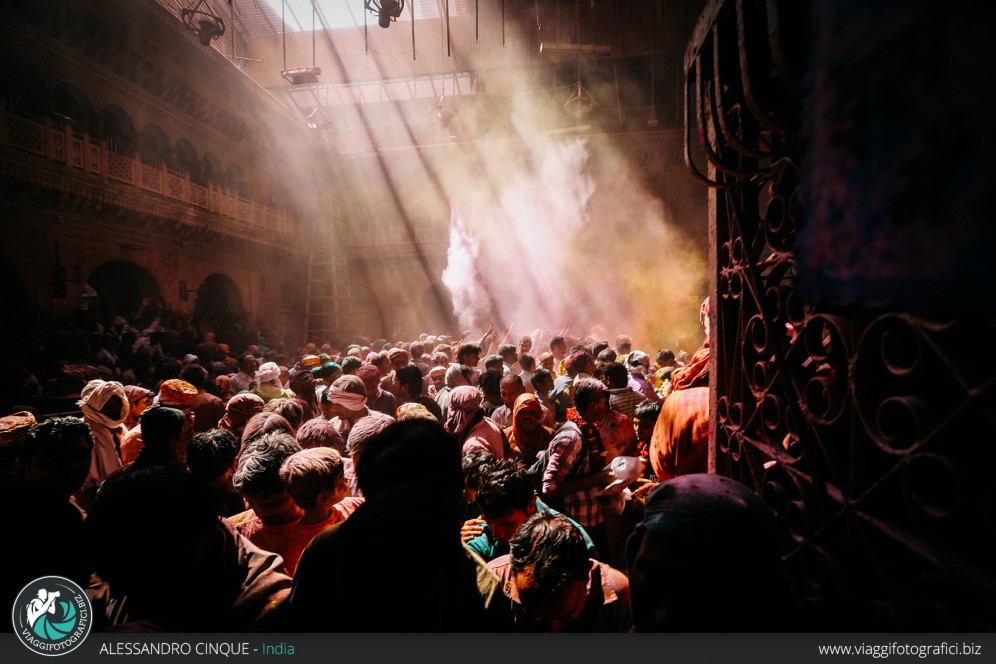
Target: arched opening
x=125 y=289
x=186 y=157
x=212 y=170
x=237 y=181
x=155 y=146
x=119 y=130
x=219 y=305
x=23 y=89
x=72 y=105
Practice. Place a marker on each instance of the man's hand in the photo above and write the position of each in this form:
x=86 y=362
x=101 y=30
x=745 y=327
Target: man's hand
x=471 y=528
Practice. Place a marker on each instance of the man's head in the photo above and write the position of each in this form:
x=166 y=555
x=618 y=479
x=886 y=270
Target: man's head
x=525 y=345
x=319 y=432
x=196 y=375
x=506 y=498
x=550 y=568
x=474 y=465
x=607 y=355
x=409 y=379
x=350 y=364
x=493 y=362
x=57 y=451
x=365 y=430
x=314 y=478
x=645 y=419
x=510 y=388
x=398 y=358
x=623 y=344
x=508 y=354
x=591 y=398
x=290 y=409
x=691 y=523
x=527 y=362
x=580 y=361
x=469 y=354
x=542 y=380
x=212 y=454
x=345 y=398
x=437 y=377
x=490 y=384
x=616 y=375
x=257 y=477
x=665 y=358
x=248 y=364
x=165 y=428
x=558 y=346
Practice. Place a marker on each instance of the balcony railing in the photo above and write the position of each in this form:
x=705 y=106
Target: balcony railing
x=57 y=141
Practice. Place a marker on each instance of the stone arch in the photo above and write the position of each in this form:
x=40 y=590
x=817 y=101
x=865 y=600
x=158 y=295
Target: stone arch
x=186 y=156
x=125 y=289
x=156 y=146
x=73 y=105
x=119 y=130
x=237 y=181
x=23 y=88
x=219 y=301
x=212 y=169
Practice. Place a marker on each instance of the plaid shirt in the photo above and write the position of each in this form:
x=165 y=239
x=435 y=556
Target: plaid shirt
x=568 y=459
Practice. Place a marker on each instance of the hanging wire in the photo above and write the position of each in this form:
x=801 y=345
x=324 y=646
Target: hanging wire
x=411 y=13
x=283 y=31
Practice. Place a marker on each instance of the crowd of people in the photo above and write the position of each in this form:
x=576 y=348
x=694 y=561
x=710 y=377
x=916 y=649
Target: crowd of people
x=437 y=484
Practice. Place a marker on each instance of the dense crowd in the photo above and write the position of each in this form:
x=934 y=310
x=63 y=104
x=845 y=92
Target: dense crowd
x=437 y=484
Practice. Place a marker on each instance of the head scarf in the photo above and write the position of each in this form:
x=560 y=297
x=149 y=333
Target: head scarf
x=269 y=372
x=95 y=396
x=348 y=392
x=240 y=409
x=465 y=403
x=695 y=374
x=224 y=384
x=367 y=371
x=14 y=426
x=135 y=394
x=528 y=445
x=175 y=393
x=638 y=362
x=105 y=459
x=397 y=352
x=437 y=371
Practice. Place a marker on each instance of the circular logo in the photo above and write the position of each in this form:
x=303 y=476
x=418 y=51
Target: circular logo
x=52 y=615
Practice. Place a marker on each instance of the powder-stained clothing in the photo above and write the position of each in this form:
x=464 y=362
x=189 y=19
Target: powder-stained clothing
x=568 y=459
x=680 y=444
x=299 y=538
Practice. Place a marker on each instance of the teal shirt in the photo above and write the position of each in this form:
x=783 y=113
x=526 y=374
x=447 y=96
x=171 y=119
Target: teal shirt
x=489 y=548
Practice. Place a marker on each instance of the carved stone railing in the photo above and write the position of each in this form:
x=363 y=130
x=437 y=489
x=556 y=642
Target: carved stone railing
x=59 y=142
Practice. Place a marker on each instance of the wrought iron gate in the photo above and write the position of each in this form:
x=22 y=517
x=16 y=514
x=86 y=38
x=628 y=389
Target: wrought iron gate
x=869 y=431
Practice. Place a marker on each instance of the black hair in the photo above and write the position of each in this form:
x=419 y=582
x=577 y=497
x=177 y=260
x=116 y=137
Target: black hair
x=350 y=364
x=506 y=349
x=527 y=362
x=474 y=465
x=617 y=374
x=161 y=425
x=553 y=551
x=52 y=429
x=465 y=350
x=418 y=452
x=599 y=347
x=648 y=410
x=490 y=383
x=494 y=360
x=211 y=453
x=411 y=376
x=539 y=376
x=505 y=487
x=194 y=374
x=290 y=409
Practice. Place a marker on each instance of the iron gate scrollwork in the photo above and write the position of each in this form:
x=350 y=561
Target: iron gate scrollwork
x=869 y=431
